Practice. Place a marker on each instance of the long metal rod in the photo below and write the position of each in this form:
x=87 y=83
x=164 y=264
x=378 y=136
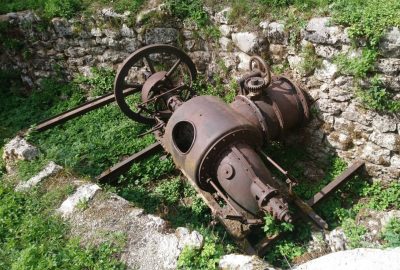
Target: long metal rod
x=110 y=175
x=335 y=184
x=81 y=109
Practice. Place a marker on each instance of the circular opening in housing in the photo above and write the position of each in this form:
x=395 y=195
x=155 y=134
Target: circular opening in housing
x=183 y=135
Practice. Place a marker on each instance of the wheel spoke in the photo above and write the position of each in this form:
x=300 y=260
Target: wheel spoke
x=176 y=64
x=150 y=64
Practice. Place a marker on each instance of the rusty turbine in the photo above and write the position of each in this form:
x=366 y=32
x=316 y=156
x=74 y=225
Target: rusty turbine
x=213 y=142
x=217 y=146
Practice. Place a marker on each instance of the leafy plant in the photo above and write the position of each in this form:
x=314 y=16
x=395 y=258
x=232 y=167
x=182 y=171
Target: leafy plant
x=310 y=60
x=188 y=9
x=273 y=227
x=28 y=225
x=354 y=232
x=365 y=20
x=100 y=82
x=381 y=198
x=391 y=233
x=378 y=98
x=205 y=258
x=357 y=66
x=61 y=8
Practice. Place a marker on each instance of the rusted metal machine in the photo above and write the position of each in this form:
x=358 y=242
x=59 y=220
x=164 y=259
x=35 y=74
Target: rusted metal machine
x=217 y=146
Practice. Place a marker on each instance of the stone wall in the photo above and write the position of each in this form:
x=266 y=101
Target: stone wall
x=340 y=125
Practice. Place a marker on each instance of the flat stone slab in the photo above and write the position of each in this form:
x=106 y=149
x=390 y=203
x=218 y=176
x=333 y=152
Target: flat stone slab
x=82 y=194
x=50 y=169
x=149 y=243
x=356 y=259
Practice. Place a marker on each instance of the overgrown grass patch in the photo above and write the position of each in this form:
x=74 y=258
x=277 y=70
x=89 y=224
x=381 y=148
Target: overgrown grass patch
x=32 y=237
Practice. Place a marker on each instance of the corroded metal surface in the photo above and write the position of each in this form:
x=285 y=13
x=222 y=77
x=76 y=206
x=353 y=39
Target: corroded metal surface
x=216 y=145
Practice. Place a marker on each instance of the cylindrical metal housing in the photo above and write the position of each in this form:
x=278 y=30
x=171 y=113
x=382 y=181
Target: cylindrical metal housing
x=199 y=131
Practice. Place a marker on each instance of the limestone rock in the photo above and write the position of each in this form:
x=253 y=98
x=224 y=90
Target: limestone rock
x=389 y=66
x=278 y=52
x=225 y=43
x=327 y=52
x=356 y=259
x=357 y=114
x=83 y=193
x=295 y=63
x=318 y=30
x=149 y=245
x=375 y=154
x=226 y=30
x=243 y=61
x=336 y=240
x=96 y=32
x=201 y=59
x=391 y=82
x=389 y=141
x=161 y=35
x=390 y=43
x=50 y=169
x=384 y=123
x=339 y=140
x=62 y=27
x=242 y=262
x=395 y=161
x=110 y=13
x=327 y=71
x=340 y=94
x=276 y=33
x=191 y=239
x=18 y=149
x=222 y=17
x=246 y=41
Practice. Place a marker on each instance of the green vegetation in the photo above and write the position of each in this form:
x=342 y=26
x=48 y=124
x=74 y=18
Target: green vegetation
x=391 y=233
x=310 y=60
x=32 y=237
x=188 y=9
x=356 y=66
x=67 y=8
x=367 y=19
x=206 y=258
x=378 y=98
x=99 y=83
x=273 y=227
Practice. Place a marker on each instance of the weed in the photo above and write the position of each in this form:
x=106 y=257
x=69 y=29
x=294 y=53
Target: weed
x=378 y=98
x=354 y=232
x=310 y=60
x=187 y=9
x=83 y=204
x=381 y=198
x=27 y=226
x=273 y=227
x=391 y=233
x=169 y=190
x=205 y=258
x=100 y=82
x=61 y=8
x=357 y=66
x=365 y=20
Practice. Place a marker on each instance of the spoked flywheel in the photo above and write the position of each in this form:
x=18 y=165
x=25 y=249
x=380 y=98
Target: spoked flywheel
x=161 y=72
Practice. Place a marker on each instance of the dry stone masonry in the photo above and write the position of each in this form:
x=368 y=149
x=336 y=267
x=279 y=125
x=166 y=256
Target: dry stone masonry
x=340 y=124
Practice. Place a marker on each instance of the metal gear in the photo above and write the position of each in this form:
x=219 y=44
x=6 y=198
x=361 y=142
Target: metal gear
x=254 y=85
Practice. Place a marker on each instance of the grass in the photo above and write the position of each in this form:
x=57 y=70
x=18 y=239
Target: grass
x=32 y=237
x=67 y=8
